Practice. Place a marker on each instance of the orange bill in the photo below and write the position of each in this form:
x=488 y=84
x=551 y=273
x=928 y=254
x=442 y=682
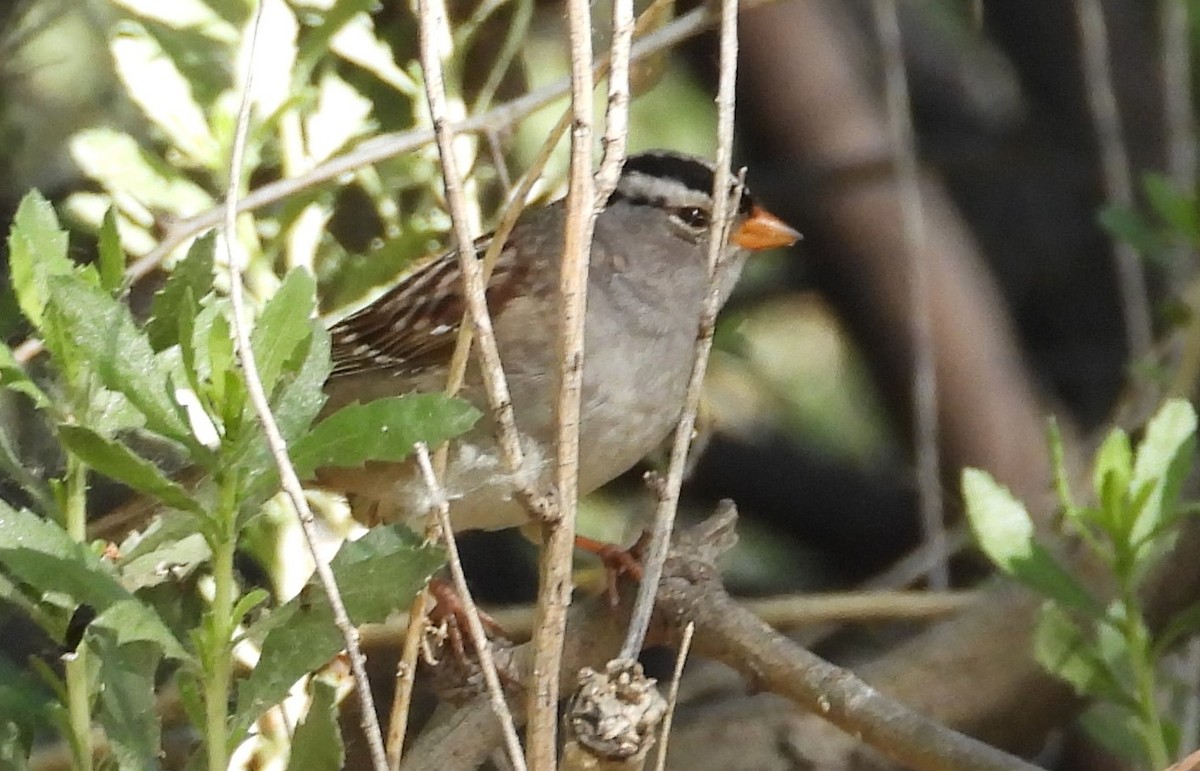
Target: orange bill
x=763 y=230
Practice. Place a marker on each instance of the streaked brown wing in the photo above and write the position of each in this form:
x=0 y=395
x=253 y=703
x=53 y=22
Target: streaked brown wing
x=415 y=320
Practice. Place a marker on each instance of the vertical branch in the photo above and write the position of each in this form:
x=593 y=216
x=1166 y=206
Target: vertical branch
x=685 y=646
x=1177 y=94
x=275 y=440
x=554 y=585
x=668 y=490
x=431 y=15
x=1114 y=162
x=475 y=626
x=616 y=117
x=924 y=383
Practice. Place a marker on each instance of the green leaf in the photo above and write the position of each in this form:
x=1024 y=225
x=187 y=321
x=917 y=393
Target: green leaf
x=1005 y=533
x=1062 y=484
x=126 y=706
x=299 y=397
x=385 y=430
x=25 y=706
x=41 y=555
x=317 y=745
x=14 y=377
x=1063 y=649
x=119 y=163
x=101 y=330
x=378 y=574
x=155 y=84
x=37 y=249
x=111 y=255
x=283 y=326
x=1173 y=207
x=1130 y=226
x=1113 y=468
x=191 y=279
x=18 y=471
x=1163 y=460
x=1116 y=729
x=171 y=560
x=193 y=15
x=115 y=460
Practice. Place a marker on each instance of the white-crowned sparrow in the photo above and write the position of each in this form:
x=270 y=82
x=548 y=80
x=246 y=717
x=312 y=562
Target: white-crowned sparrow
x=646 y=286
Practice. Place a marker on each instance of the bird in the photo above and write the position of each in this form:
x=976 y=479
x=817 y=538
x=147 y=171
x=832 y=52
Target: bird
x=647 y=281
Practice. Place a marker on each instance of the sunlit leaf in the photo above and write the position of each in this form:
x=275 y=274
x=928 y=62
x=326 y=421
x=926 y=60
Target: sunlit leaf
x=37 y=250
x=192 y=277
x=111 y=255
x=283 y=326
x=1163 y=460
x=101 y=330
x=155 y=84
x=1005 y=533
x=118 y=162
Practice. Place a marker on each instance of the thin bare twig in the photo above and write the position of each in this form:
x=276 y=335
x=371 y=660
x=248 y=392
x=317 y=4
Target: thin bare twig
x=479 y=638
x=275 y=440
x=924 y=374
x=664 y=514
x=558 y=535
x=1177 y=94
x=1114 y=161
x=616 y=116
x=405 y=680
x=685 y=646
x=431 y=18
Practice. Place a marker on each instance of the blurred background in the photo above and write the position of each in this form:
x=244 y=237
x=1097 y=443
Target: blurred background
x=808 y=422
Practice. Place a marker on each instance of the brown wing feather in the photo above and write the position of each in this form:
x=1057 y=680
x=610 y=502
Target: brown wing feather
x=412 y=323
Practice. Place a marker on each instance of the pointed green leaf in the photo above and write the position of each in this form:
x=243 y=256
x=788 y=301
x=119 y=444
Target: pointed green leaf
x=192 y=15
x=1116 y=729
x=1005 y=533
x=14 y=377
x=103 y=332
x=155 y=84
x=126 y=706
x=378 y=574
x=37 y=249
x=385 y=429
x=1062 y=484
x=192 y=277
x=1163 y=459
x=111 y=255
x=41 y=555
x=298 y=399
x=317 y=745
x=1063 y=649
x=283 y=326
x=115 y=460
x=125 y=168
x=1173 y=207
x=1113 y=469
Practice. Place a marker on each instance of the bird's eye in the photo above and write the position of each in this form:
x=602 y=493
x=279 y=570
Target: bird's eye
x=692 y=216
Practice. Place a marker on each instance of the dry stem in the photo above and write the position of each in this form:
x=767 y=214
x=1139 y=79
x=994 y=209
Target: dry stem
x=924 y=376
x=258 y=397
x=1114 y=161
x=664 y=515
x=479 y=638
